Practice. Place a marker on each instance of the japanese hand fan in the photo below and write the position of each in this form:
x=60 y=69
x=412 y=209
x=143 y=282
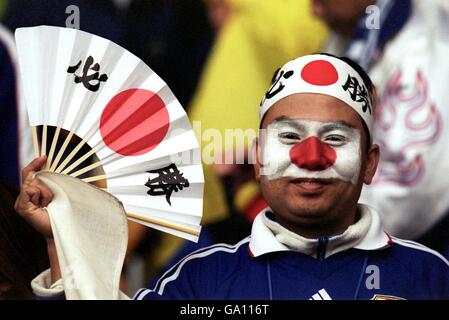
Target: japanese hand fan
x=101 y=115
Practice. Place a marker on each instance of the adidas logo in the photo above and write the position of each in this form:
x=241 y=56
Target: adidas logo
x=321 y=295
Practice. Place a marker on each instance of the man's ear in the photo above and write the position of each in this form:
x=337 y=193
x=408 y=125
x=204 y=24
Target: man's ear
x=372 y=161
x=256 y=165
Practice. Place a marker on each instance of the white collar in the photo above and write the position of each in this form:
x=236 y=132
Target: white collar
x=264 y=241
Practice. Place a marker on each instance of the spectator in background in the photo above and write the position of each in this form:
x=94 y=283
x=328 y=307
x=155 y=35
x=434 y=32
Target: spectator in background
x=403 y=44
x=23 y=252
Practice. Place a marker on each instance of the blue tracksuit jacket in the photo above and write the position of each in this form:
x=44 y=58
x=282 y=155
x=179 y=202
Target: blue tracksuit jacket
x=260 y=267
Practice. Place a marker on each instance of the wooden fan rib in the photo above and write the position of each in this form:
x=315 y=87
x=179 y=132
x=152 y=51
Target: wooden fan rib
x=35 y=141
x=164 y=224
x=44 y=141
x=60 y=153
x=78 y=162
x=186 y=219
x=52 y=148
x=95 y=178
x=86 y=169
x=70 y=157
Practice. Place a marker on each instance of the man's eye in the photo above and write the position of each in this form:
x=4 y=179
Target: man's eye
x=335 y=139
x=289 y=136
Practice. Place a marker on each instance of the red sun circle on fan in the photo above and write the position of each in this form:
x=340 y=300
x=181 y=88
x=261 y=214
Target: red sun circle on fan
x=320 y=73
x=134 y=122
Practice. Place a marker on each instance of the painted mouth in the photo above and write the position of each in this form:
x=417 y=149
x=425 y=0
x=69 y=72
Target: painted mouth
x=311 y=185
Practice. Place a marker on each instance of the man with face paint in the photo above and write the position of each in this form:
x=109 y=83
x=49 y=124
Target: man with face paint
x=315 y=241
x=315 y=150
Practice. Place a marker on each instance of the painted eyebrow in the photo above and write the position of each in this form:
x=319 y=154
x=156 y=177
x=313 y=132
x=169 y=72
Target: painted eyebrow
x=339 y=125
x=342 y=125
x=290 y=121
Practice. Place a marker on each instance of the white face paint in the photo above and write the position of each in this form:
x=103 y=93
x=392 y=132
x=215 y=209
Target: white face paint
x=311 y=149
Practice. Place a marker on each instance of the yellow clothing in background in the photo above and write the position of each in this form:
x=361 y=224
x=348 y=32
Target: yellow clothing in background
x=259 y=37
x=3 y=4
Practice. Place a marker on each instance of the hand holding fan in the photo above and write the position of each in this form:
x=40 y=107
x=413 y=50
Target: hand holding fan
x=101 y=115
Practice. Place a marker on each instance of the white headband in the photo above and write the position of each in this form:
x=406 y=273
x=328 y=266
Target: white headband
x=321 y=74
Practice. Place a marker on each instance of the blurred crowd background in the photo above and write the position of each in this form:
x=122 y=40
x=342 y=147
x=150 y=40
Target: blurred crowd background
x=218 y=57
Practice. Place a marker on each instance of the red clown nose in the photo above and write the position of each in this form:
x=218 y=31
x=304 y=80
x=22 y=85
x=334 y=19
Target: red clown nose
x=312 y=154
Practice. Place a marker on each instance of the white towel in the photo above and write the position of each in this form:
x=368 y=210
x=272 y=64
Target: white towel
x=91 y=233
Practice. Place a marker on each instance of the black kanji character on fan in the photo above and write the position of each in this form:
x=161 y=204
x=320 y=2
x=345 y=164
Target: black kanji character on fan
x=358 y=93
x=275 y=88
x=169 y=179
x=87 y=79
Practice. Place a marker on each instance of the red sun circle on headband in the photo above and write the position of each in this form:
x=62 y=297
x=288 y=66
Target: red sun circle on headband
x=319 y=73
x=134 y=122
